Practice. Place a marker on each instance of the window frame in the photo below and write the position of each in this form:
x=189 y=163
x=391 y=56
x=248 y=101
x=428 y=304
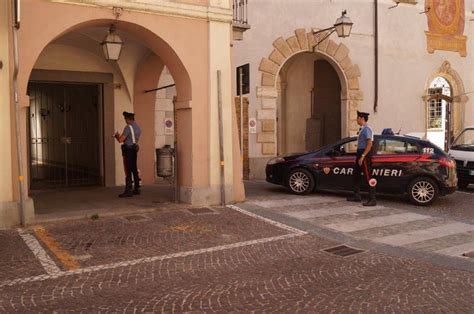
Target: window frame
x=405 y=141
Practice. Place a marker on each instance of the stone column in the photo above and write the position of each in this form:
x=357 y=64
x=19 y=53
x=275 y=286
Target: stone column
x=220 y=32
x=8 y=208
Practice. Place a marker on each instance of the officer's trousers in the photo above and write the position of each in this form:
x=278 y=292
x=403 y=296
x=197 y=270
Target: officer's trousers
x=363 y=172
x=129 y=154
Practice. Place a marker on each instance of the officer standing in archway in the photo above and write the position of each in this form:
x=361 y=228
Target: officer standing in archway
x=363 y=163
x=129 y=139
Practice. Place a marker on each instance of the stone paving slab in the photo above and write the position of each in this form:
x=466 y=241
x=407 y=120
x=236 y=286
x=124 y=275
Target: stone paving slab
x=284 y=276
x=426 y=234
x=363 y=224
x=444 y=242
x=158 y=233
x=16 y=259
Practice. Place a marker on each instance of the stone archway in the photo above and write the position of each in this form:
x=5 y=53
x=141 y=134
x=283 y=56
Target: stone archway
x=335 y=53
x=458 y=94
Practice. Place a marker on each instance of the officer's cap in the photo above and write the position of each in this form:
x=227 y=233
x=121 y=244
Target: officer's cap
x=364 y=115
x=128 y=115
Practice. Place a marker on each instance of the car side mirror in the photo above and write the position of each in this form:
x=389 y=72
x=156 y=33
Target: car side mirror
x=333 y=153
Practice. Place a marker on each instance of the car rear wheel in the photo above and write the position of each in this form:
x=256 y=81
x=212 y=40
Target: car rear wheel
x=300 y=181
x=423 y=191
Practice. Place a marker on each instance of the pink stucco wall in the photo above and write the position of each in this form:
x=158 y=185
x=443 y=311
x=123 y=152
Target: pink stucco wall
x=169 y=38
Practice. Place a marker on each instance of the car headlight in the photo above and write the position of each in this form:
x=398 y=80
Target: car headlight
x=275 y=160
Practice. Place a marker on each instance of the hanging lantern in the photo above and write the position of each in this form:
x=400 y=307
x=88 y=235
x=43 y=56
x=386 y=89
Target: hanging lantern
x=112 y=45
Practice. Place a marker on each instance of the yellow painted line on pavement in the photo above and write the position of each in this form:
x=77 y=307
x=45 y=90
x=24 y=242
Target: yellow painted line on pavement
x=55 y=247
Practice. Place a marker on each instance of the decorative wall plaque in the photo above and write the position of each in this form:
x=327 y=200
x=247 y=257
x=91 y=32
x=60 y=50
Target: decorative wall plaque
x=445 y=26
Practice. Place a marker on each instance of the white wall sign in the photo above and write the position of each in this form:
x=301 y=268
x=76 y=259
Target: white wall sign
x=252 y=125
x=169 y=126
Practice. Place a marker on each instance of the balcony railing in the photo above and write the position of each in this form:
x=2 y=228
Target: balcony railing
x=240 y=23
x=240 y=12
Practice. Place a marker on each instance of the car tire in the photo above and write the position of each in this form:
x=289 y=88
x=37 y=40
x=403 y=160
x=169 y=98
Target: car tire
x=300 y=181
x=463 y=184
x=423 y=191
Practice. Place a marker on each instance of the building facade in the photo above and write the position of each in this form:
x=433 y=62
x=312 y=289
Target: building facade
x=70 y=99
x=407 y=63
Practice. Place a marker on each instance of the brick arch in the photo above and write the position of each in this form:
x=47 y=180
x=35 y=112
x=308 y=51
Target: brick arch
x=283 y=50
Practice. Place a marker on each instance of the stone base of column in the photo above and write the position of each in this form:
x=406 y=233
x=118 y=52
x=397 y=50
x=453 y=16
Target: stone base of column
x=206 y=196
x=10 y=214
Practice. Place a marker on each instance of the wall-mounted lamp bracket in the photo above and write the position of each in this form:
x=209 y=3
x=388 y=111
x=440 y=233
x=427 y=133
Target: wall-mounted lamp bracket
x=159 y=88
x=426 y=11
x=394 y=6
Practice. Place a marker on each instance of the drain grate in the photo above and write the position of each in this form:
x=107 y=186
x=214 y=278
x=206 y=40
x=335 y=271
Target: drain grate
x=201 y=210
x=136 y=218
x=343 y=250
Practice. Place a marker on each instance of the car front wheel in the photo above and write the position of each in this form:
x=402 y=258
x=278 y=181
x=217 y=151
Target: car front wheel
x=300 y=181
x=423 y=191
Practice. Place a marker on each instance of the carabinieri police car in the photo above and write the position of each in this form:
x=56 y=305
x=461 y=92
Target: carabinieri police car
x=401 y=165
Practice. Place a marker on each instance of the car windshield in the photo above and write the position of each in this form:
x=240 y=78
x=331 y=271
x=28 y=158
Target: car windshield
x=465 y=141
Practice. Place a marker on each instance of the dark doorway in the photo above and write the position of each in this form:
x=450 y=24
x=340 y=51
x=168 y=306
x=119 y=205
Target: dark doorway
x=65 y=129
x=324 y=126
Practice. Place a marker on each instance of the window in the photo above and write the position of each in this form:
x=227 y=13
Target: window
x=435 y=110
x=347 y=149
x=390 y=146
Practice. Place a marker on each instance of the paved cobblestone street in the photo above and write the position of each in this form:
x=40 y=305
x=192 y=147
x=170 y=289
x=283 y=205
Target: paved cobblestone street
x=263 y=255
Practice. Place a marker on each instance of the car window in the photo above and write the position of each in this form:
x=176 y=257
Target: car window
x=348 y=148
x=392 y=146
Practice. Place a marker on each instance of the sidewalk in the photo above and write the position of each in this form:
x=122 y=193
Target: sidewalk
x=219 y=260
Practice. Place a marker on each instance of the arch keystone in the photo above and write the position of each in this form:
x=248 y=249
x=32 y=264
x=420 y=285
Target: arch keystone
x=302 y=39
x=324 y=44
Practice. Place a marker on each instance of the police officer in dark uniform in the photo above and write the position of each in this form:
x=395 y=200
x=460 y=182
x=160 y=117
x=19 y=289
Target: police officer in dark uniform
x=129 y=139
x=363 y=164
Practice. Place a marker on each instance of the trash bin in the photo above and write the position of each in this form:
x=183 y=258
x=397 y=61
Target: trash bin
x=164 y=161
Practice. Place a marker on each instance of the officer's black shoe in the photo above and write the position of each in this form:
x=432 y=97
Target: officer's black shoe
x=354 y=198
x=126 y=194
x=370 y=202
x=136 y=192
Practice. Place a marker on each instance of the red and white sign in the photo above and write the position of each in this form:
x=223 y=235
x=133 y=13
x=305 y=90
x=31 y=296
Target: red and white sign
x=169 y=126
x=252 y=125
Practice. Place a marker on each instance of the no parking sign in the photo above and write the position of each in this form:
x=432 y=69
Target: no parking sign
x=252 y=125
x=169 y=126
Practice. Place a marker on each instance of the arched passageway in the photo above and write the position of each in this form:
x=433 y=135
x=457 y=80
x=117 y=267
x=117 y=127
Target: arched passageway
x=67 y=52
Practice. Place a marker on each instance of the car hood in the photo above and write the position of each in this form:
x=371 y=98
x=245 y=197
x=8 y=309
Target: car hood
x=291 y=156
x=462 y=155
x=464 y=148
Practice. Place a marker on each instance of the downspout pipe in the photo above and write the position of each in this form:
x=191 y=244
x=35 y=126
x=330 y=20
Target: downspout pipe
x=17 y=109
x=376 y=55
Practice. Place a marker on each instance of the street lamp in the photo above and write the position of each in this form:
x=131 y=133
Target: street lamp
x=112 y=45
x=342 y=27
